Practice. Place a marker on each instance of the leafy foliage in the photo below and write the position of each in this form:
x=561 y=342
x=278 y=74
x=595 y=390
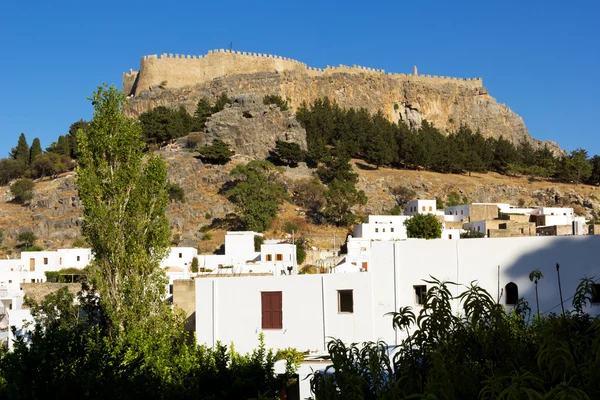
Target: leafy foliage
x=277 y=100
x=27 y=238
x=124 y=196
x=222 y=100
x=22 y=190
x=471 y=234
x=424 y=226
x=51 y=164
x=484 y=353
x=163 y=124
x=256 y=194
x=176 y=193
x=217 y=153
x=287 y=153
x=21 y=151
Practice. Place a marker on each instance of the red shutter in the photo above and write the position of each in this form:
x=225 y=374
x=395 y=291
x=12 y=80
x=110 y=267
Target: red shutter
x=272 y=314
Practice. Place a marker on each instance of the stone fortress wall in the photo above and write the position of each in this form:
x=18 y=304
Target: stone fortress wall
x=176 y=71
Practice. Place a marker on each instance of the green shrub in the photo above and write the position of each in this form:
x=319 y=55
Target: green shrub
x=277 y=100
x=206 y=236
x=22 y=190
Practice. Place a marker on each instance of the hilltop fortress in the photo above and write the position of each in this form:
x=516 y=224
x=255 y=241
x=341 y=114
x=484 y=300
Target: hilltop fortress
x=171 y=80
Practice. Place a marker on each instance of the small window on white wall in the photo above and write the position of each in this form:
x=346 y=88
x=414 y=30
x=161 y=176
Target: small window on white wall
x=391 y=229
x=345 y=301
x=420 y=294
x=376 y=230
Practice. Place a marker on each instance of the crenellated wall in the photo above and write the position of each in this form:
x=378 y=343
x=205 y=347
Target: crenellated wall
x=176 y=70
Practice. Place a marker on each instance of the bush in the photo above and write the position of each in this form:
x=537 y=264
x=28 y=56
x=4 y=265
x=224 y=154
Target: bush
x=290 y=227
x=80 y=243
x=22 y=190
x=27 y=238
x=471 y=234
x=176 y=193
x=287 y=153
x=277 y=100
x=11 y=169
x=423 y=226
x=258 y=241
x=194 y=265
x=204 y=228
x=206 y=236
x=217 y=153
x=193 y=139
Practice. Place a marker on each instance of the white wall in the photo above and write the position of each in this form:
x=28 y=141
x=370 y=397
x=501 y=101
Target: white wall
x=288 y=257
x=461 y=211
x=74 y=258
x=565 y=211
x=383 y=227
x=229 y=310
x=179 y=257
x=421 y=207
x=240 y=245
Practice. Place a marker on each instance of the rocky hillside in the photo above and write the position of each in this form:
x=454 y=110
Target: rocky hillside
x=54 y=214
x=447 y=105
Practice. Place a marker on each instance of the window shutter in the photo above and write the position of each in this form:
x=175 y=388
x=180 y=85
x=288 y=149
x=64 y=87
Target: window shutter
x=272 y=313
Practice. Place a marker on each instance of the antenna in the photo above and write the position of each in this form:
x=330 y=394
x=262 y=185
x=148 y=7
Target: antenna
x=230 y=46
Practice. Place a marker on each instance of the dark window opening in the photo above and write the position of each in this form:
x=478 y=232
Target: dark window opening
x=420 y=294
x=345 y=301
x=511 y=291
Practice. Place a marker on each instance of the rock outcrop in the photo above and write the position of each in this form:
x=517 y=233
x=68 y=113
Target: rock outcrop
x=252 y=128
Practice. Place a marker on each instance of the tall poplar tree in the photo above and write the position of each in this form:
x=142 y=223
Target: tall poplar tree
x=124 y=196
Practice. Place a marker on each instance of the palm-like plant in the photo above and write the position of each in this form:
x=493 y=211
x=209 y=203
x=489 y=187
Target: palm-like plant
x=535 y=276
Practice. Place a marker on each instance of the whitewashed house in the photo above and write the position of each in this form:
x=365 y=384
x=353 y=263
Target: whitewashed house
x=422 y=206
x=303 y=311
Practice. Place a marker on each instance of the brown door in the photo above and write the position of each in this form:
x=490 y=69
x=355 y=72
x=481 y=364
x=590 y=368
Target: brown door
x=365 y=266
x=32 y=264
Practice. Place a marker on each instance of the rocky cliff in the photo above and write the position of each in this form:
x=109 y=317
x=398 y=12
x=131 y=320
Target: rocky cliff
x=446 y=102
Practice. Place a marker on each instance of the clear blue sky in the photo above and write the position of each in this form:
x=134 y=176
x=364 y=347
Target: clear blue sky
x=539 y=57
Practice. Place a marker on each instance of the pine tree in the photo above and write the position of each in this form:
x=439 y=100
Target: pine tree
x=36 y=150
x=203 y=111
x=21 y=152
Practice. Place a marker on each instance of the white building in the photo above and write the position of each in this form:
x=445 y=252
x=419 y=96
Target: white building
x=303 y=311
x=421 y=206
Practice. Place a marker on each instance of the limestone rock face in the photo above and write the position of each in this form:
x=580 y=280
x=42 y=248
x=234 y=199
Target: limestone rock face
x=447 y=104
x=252 y=128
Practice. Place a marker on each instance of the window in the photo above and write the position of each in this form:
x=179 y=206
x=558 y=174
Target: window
x=279 y=257
x=78 y=258
x=461 y=212
x=376 y=230
x=383 y=230
x=449 y=236
x=170 y=289
x=511 y=291
x=423 y=208
x=391 y=229
x=10 y=281
x=60 y=261
x=345 y=301
x=430 y=209
x=420 y=294
x=33 y=281
x=180 y=255
x=272 y=314
x=595 y=293
x=269 y=257
x=10 y=306
x=45 y=260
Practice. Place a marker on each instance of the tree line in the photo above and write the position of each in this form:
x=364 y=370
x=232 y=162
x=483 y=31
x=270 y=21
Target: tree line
x=378 y=141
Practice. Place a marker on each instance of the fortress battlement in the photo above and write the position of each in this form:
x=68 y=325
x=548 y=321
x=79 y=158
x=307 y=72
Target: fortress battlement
x=180 y=70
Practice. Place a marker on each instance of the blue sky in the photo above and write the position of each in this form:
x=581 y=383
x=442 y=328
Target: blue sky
x=538 y=57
